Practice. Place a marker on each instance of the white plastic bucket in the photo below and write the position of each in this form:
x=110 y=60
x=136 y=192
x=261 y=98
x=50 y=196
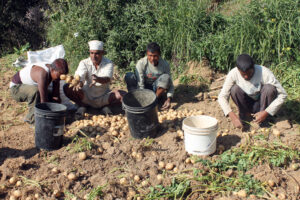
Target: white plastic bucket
x=200 y=133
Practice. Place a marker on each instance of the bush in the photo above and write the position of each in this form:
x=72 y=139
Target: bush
x=266 y=29
x=21 y=22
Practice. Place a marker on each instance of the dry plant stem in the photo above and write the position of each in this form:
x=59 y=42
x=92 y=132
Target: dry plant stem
x=297 y=192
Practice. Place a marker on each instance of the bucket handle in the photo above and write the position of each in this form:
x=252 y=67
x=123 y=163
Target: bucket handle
x=207 y=147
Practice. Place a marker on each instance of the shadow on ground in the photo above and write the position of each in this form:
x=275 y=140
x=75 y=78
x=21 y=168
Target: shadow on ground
x=6 y=152
x=187 y=94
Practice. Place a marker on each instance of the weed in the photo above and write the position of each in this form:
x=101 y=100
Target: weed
x=175 y=190
x=79 y=144
x=28 y=181
x=68 y=195
x=53 y=159
x=96 y=192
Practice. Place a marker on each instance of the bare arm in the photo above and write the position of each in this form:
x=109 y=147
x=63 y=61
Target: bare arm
x=41 y=77
x=55 y=91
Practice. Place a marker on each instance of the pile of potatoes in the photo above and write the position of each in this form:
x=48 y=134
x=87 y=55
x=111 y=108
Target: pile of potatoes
x=73 y=81
x=117 y=125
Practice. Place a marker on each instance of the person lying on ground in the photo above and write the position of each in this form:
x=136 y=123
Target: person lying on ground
x=31 y=84
x=152 y=72
x=96 y=73
x=254 y=89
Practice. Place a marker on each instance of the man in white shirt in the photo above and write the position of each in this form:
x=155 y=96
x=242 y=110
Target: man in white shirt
x=96 y=73
x=254 y=89
x=152 y=72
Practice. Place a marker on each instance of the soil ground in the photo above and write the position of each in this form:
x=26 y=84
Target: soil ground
x=122 y=156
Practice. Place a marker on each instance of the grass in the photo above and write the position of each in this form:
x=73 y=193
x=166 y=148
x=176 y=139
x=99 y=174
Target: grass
x=79 y=144
x=213 y=179
x=96 y=192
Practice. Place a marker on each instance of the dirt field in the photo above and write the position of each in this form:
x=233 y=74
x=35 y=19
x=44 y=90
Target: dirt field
x=113 y=157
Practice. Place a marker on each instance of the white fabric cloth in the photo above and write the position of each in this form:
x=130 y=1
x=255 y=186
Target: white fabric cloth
x=86 y=69
x=46 y=55
x=96 y=45
x=261 y=76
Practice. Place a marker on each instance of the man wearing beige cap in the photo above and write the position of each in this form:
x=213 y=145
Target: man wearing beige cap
x=95 y=74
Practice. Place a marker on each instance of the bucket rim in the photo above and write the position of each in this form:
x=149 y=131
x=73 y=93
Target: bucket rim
x=214 y=127
x=139 y=108
x=38 y=109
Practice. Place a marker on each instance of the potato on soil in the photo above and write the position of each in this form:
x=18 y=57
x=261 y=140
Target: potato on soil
x=72 y=176
x=123 y=181
x=82 y=156
x=242 y=193
x=169 y=166
x=17 y=193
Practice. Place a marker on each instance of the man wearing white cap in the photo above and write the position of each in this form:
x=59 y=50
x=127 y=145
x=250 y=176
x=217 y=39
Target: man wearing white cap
x=95 y=73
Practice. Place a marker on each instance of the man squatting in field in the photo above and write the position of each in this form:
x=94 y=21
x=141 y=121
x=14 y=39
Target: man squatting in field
x=31 y=84
x=95 y=74
x=254 y=89
x=152 y=72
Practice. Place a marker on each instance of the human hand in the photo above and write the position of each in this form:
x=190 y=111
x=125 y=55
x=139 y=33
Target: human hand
x=261 y=116
x=94 y=80
x=235 y=120
x=78 y=86
x=167 y=104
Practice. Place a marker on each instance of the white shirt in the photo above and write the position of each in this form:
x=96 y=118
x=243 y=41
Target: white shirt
x=86 y=69
x=252 y=87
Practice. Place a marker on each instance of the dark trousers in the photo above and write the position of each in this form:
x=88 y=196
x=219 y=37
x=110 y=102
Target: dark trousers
x=29 y=93
x=246 y=104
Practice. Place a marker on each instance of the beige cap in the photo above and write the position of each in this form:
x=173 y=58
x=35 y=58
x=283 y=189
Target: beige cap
x=96 y=45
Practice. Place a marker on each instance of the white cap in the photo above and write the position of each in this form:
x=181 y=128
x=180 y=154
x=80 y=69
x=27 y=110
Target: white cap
x=96 y=45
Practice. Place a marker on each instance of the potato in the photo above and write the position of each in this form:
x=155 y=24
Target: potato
x=17 y=193
x=57 y=193
x=159 y=177
x=169 y=166
x=77 y=77
x=55 y=170
x=13 y=180
x=145 y=183
x=242 y=193
x=63 y=77
x=123 y=181
x=82 y=156
x=188 y=160
x=19 y=183
x=136 y=178
x=276 y=132
x=271 y=183
x=295 y=166
x=12 y=198
x=161 y=164
x=282 y=196
x=72 y=176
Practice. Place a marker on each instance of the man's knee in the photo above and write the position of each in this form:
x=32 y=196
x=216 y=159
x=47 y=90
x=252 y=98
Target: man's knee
x=130 y=80
x=163 y=81
x=235 y=90
x=269 y=90
x=33 y=94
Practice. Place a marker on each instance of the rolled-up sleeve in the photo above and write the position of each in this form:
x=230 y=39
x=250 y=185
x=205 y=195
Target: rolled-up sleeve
x=269 y=78
x=81 y=71
x=224 y=95
x=140 y=68
x=170 y=92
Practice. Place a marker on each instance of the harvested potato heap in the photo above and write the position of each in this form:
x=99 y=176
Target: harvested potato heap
x=117 y=125
x=73 y=81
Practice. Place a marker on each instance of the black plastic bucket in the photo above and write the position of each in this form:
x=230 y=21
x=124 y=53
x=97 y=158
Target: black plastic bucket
x=141 y=111
x=49 y=125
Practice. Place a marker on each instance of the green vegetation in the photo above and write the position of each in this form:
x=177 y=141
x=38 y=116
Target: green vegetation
x=228 y=173
x=79 y=144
